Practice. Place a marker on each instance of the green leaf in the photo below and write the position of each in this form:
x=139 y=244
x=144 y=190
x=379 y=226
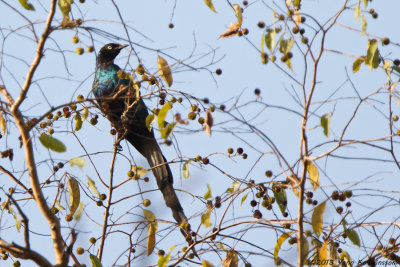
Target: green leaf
x=317 y=218
x=208 y=194
x=92 y=186
x=395 y=68
x=206 y=218
x=286 y=45
x=278 y=245
x=313 y=175
x=357 y=63
x=185 y=169
x=325 y=123
x=52 y=143
x=235 y=186
x=150 y=119
x=372 y=58
x=270 y=39
x=73 y=195
x=210 y=4
x=351 y=234
x=166 y=132
x=139 y=170
x=78 y=161
x=364 y=25
x=243 y=199
x=95 y=261
x=238 y=13
x=280 y=197
x=78 y=122
x=357 y=11
x=25 y=4
x=78 y=213
x=65 y=7
x=162 y=261
x=306 y=248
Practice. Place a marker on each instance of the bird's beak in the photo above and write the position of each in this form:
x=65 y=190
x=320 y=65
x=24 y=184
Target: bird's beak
x=121 y=47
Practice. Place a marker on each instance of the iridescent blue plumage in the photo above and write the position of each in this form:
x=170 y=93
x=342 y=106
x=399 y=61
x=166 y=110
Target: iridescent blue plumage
x=130 y=123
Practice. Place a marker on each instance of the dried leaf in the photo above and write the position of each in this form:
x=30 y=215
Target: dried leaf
x=151 y=239
x=231 y=259
x=58 y=205
x=209 y=121
x=232 y=30
x=317 y=218
x=297 y=17
x=164 y=70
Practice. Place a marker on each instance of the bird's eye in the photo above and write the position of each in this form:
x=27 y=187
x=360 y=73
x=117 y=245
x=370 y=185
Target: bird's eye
x=109 y=47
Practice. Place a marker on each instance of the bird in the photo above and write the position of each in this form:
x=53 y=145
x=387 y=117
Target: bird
x=128 y=116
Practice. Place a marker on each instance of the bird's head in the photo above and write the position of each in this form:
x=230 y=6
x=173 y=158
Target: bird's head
x=109 y=52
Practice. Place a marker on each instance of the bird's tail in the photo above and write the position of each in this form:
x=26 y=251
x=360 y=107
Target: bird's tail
x=164 y=178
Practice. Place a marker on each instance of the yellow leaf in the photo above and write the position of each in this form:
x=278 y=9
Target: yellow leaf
x=231 y=31
x=78 y=161
x=85 y=113
x=2 y=124
x=164 y=70
x=208 y=194
x=238 y=12
x=163 y=260
x=357 y=11
x=92 y=186
x=210 y=4
x=206 y=218
x=322 y=254
x=151 y=239
x=357 y=63
x=313 y=175
x=78 y=213
x=209 y=121
x=317 y=218
x=139 y=170
x=149 y=121
x=162 y=114
x=185 y=169
x=207 y=264
x=278 y=245
x=73 y=194
x=78 y=122
x=364 y=25
x=297 y=17
x=243 y=199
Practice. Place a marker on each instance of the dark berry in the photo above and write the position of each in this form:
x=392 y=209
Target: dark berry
x=218 y=71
